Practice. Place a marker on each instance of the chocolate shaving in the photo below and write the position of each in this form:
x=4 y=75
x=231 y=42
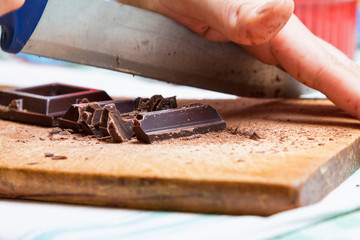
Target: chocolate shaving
x=255 y=136
x=59 y=157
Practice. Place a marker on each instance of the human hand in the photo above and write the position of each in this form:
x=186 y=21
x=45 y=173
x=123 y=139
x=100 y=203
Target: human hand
x=270 y=32
x=9 y=5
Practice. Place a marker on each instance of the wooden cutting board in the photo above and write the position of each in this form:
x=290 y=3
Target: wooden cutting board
x=275 y=155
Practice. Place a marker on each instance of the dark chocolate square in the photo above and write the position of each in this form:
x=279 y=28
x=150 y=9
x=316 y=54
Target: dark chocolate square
x=42 y=105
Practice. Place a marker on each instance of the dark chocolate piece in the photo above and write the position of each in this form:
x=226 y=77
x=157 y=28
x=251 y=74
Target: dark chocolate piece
x=103 y=124
x=73 y=117
x=175 y=123
x=167 y=103
x=90 y=118
x=120 y=129
x=42 y=105
x=155 y=103
x=140 y=104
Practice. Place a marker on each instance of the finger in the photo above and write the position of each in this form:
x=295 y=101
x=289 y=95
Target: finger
x=242 y=21
x=10 y=5
x=194 y=24
x=201 y=28
x=247 y=22
x=317 y=64
x=145 y=4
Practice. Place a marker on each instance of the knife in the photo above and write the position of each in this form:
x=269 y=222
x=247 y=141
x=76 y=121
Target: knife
x=127 y=39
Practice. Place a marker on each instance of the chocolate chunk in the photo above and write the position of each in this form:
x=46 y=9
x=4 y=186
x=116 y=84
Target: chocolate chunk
x=42 y=105
x=175 y=123
x=167 y=103
x=140 y=104
x=155 y=103
x=103 y=124
x=90 y=119
x=71 y=119
x=119 y=129
x=89 y=122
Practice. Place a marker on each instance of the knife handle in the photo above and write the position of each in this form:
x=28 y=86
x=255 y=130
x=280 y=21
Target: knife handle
x=17 y=26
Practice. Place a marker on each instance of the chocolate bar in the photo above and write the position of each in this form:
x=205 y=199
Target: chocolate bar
x=42 y=105
x=92 y=111
x=155 y=126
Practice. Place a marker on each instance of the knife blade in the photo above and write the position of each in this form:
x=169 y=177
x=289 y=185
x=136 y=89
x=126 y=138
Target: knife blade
x=127 y=39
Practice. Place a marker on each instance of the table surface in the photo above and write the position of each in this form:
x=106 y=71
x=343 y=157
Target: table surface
x=338 y=213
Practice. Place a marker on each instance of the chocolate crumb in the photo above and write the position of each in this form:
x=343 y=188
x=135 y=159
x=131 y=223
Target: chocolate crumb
x=49 y=154
x=65 y=132
x=311 y=138
x=59 y=157
x=255 y=136
x=32 y=163
x=55 y=131
x=190 y=137
x=234 y=131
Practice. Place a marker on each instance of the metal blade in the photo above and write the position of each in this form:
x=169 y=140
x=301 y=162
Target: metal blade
x=127 y=39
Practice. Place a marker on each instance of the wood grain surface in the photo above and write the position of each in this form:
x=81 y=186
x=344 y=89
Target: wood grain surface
x=275 y=155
